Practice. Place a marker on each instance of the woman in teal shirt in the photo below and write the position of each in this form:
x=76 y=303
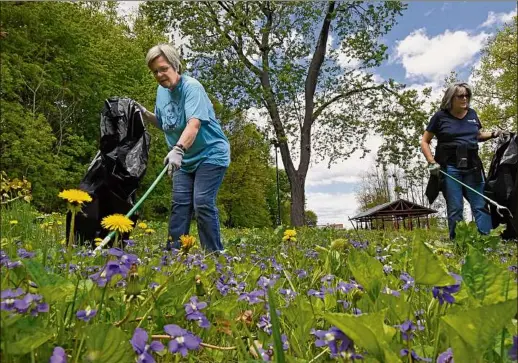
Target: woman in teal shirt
x=199 y=150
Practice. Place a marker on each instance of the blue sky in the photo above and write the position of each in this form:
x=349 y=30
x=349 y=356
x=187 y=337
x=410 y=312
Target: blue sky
x=437 y=17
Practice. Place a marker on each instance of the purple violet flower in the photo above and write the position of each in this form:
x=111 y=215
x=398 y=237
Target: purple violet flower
x=289 y=295
x=335 y=339
x=387 y=269
x=265 y=324
x=143 y=350
x=181 y=340
x=6 y=294
x=407 y=330
x=58 y=356
x=252 y=297
x=86 y=314
x=446 y=357
x=301 y=273
x=408 y=280
x=23 y=253
x=415 y=357
x=200 y=318
x=444 y=293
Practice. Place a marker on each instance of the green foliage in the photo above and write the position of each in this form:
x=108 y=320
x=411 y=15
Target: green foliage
x=368 y=331
x=367 y=271
x=428 y=269
x=311 y=218
x=486 y=282
x=486 y=299
x=471 y=332
x=29 y=342
x=107 y=344
x=60 y=61
x=279 y=352
x=495 y=85
x=243 y=193
x=467 y=234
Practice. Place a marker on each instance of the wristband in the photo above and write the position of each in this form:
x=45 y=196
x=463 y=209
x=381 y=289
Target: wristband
x=181 y=147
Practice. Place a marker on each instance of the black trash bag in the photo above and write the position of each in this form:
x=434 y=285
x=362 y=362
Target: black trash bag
x=116 y=171
x=502 y=184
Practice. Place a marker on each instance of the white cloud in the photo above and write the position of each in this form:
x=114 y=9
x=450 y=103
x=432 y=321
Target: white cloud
x=332 y=208
x=347 y=171
x=345 y=61
x=127 y=7
x=436 y=95
x=433 y=58
x=498 y=18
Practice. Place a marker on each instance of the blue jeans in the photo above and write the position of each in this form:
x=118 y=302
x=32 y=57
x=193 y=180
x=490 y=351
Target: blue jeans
x=453 y=193
x=196 y=191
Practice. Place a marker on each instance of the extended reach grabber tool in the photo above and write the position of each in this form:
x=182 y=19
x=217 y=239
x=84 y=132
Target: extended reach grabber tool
x=132 y=210
x=499 y=208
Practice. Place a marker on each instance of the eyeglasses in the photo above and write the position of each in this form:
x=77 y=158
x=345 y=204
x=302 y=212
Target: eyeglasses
x=465 y=95
x=160 y=70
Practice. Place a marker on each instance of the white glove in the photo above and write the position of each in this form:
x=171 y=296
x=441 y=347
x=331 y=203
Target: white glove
x=174 y=159
x=142 y=109
x=434 y=168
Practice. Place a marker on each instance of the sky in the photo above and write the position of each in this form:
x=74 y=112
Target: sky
x=431 y=39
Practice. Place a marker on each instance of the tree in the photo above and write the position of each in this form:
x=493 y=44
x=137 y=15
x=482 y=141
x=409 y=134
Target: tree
x=311 y=218
x=243 y=192
x=284 y=56
x=373 y=189
x=496 y=84
x=60 y=61
x=284 y=197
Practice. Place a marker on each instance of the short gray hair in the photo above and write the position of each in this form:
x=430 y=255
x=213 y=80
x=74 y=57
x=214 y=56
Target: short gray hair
x=168 y=52
x=450 y=93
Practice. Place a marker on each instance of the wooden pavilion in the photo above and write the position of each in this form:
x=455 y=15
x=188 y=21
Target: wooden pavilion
x=398 y=213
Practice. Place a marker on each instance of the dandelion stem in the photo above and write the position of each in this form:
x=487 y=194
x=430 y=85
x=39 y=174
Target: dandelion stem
x=319 y=355
x=120 y=322
x=78 y=353
x=437 y=332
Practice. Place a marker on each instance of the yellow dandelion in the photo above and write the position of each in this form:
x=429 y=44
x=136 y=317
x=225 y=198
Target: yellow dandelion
x=13 y=222
x=117 y=222
x=289 y=235
x=142 y=225
x=339 y=244
x=75 y=196
x=187 y=242
x=150 y=231
x=97 y=241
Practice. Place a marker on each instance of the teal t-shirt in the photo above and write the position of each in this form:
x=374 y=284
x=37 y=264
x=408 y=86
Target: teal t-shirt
x=186 y=101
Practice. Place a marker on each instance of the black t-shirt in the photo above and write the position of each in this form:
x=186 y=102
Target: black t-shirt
x=454 y=131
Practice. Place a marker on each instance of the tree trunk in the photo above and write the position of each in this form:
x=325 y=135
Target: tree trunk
x=298 y=199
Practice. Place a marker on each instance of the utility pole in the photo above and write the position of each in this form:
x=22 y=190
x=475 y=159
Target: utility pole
x=275 y=143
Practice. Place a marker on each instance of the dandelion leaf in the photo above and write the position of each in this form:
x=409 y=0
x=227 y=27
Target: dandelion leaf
x=367 y=271
x=108 y=344
x=472 y=332
x=428 y=269
x=367 y=331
